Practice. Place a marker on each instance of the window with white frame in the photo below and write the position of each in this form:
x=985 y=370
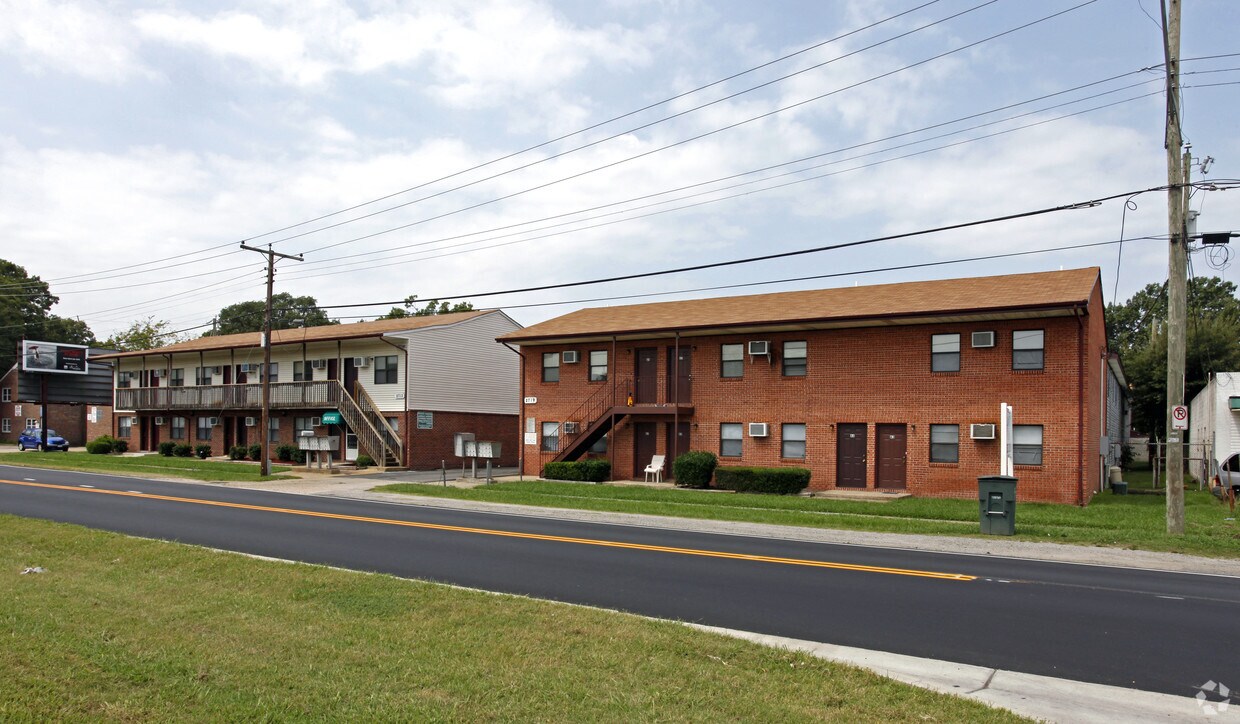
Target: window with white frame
x=394 y=422
x=385 y=370
x=793 y=440
x=177 y=377
x=177 y=428
x=32 y=423
x=732 y=360
x=551 y=436
x=600 y=445
x=945 y=353
x=1028 y=349
x=794 y=359
x=1027 y=444
x=944 y=443
x=302 y=424
x=731 y=442
x=5 y=425
x=598 y=365
x=204 y=428
x=551 y=367
x=6 y=395
x=124 y=426
x=202 y=375
x=300 y=369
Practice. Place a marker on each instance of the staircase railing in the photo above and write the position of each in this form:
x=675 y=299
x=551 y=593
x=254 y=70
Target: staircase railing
x=586 y=414
x=367 y=436
x=391 y=439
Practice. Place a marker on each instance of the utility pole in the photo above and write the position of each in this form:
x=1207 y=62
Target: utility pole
x=265 y=418
x=1177 y=269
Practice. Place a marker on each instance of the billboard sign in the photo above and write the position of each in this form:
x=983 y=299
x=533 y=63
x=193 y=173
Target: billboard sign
x=53 y=357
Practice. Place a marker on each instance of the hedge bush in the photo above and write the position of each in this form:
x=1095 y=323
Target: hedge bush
x=592 y=471
x=203 y=451
x=166 y=447
x=695 y=468
x=237 y=452
x=781 y=481
x=183 y=450
x=120 y=446
x=364 y=461
x=284 y=453
x=101 y=445
x=255 y=452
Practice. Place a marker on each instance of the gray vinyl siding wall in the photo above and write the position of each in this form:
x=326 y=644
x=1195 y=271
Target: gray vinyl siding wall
x=1115 y=418
x=460 y=367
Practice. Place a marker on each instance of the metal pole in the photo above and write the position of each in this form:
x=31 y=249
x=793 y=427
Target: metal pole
x=443 y=472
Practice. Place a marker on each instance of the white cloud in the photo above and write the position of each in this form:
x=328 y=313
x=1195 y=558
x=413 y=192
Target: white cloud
x=82 y=39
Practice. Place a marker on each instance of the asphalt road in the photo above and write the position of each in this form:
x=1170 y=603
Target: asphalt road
x=1155 y=631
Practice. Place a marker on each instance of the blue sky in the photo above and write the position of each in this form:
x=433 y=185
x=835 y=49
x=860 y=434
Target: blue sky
x=151 y=138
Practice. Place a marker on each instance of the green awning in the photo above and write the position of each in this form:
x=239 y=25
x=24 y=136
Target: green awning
x=331 y=418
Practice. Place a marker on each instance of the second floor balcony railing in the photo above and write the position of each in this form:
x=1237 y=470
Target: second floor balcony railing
x=284 y=395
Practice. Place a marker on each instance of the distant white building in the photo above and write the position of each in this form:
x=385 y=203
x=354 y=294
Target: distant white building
x=1214 y=420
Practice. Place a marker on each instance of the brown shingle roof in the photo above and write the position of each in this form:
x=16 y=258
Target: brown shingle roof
x=1061 y=289
x=326 y=333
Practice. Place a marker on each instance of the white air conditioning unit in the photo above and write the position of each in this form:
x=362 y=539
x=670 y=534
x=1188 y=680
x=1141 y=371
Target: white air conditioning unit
x=250 y=422
x=214 y=421
x=982 y=431
x=318 y=364
x=570 y=428
x=361 y=361
x=758 y=429
x=571 y=357
x=247 y=367
x=307 y=433
x=157 y=373
x=983 y=339
x=316 y=421
x=757 y=348
x=159 y=421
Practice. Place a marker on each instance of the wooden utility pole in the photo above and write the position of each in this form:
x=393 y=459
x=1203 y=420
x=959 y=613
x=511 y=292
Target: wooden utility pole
x=265 y=418
x=1177 y=271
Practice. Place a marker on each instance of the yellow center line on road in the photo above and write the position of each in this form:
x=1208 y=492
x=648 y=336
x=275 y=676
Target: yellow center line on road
x=512 y=534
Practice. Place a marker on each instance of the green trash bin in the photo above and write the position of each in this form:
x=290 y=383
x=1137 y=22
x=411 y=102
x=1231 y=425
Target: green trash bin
x=996 y=495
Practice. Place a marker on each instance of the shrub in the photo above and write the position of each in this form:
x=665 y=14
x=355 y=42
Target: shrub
x=695 y=468
x=1126 y=456
x=183 y=450
x=299 y=456
x=285 y=453
x=364 y=461
x=255 y=452
x=594 y=471
x=120 y=446
x=166 y=447
x=203 y=451
x=101 y=445
x=237 y=452
x=782 y=481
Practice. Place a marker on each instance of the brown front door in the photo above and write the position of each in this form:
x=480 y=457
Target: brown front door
x=144 y=427
x=892 y=455
x=850 y=447
x=645 y=445
x=241 y=432
x=680 y=377
x=350 y=375
x=332 y=371
x=676 y=445
x=647 y=391
x=229 y=423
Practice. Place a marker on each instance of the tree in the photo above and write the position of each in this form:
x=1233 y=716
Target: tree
x=146 y=333
x=25 y=312
x=1133 y=324
x=433 y=307
x=287 y=312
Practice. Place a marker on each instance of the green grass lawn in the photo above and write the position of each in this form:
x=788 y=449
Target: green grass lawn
x=125 y=629
x=150 y=466
x=1132 y=521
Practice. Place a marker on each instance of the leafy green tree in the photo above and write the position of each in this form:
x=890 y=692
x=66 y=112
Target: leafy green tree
x=146 y=333
x=25 y=312
x=287 y=312
x=433 y=307
x=1133 y=324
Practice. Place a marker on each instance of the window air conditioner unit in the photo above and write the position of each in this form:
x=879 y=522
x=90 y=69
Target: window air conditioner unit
x=759 y=348
x=982 y=431
x=307 y=433
x=570 y=428
x=215 y=421
x=571 y=357
x=361 y=361
x=316 y=421
x=758 y=429
x=157 y=373
x=318 y=364
x=246 y=367
x=159 y=421
x=983 y=339
x=250 y=422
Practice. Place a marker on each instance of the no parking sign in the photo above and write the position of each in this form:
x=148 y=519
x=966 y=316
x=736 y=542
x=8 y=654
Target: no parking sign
x=1179 y=417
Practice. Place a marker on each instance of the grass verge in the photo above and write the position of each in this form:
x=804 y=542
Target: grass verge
x=1132 y=521
x=126 y=629
x=150 y=466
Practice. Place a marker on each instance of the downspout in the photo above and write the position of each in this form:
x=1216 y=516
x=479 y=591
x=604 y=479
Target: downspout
x=675 y=401
x=520 y=415
x=168 y=376
x=407 y=432
x=611 y=410
x=1080 y=408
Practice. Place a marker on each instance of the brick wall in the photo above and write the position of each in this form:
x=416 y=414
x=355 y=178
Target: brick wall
x=875 y=375
x=103 y=424
x=428 y=448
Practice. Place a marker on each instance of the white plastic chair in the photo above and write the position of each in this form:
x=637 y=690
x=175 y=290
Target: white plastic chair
x=655 y=468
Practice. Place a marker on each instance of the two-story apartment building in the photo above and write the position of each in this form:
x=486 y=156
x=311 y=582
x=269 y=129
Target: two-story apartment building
x=887 y=387
x=397 y=390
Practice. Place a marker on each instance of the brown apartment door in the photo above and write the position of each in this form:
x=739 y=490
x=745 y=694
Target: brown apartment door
x=144 y=428
x=332 y=370
x=850 y=447
x=677 y=444
x=645 y=445
x=229 y=423
x=647 y=391
x=892 y=455
x=350 y=375
x=680 y=376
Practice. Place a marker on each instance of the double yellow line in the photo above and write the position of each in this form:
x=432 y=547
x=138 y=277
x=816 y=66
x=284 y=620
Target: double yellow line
x=512 y=534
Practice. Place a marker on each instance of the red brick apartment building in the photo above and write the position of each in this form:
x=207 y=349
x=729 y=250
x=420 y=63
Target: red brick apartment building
x=402 y=389
x=887 y=387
